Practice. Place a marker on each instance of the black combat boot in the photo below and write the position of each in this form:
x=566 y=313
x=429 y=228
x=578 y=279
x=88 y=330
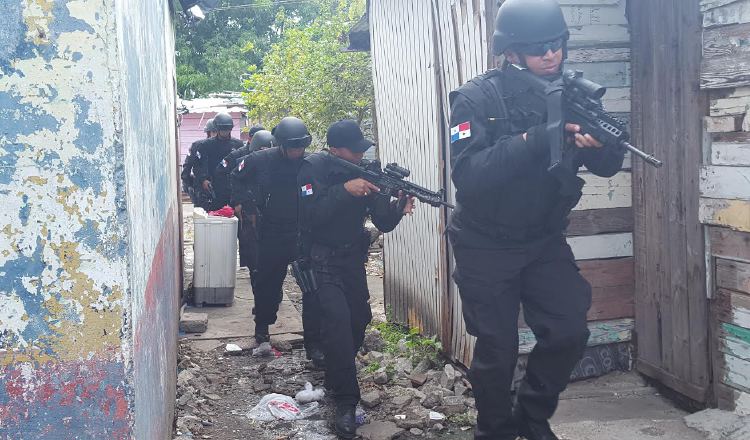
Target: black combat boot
x=531 y=429
x=317 y=357
x=346 y=424
x=261 y=333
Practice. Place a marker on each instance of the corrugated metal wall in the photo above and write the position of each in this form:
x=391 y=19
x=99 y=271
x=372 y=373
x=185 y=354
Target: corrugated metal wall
x=409 y=113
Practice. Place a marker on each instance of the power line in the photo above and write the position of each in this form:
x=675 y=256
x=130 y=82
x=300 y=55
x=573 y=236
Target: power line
x=264 y=5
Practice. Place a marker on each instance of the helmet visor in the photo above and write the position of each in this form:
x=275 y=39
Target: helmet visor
x=301 y=142
x=539 y=49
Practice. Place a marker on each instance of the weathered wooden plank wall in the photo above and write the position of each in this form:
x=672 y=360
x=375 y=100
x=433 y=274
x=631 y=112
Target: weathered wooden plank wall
x=725 y=194
x=671 y=308
x=417 y=62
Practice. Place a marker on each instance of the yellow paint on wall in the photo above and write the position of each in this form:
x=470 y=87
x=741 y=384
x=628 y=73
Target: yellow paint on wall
x=70 y=208
x=38 y=15
x=99 y=328
x=37 y=180
x=735 y=214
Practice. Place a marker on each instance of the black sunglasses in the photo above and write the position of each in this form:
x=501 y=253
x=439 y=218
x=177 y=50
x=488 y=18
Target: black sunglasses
x=539 y=49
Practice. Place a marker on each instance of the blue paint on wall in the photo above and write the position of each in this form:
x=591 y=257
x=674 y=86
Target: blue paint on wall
x=12 y=274
x=85 y=174
x=8 y=161
x=89 y=235
x=64 y=22
x=12 y=30
x=49 y=160
x=18 y=118
x=90 y=134
x=25 y=210
x=147 y=90
x=76 y=56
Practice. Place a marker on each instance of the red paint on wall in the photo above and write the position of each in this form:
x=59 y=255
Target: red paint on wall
x=56 y=400
x=155 y=336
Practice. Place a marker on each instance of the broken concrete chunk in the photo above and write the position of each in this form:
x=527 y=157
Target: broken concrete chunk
x=371 y=399
x=233 y=349
x=418 y=379
x=401 y=400
x=381 y=378
x=379 y=431
x=192 y=322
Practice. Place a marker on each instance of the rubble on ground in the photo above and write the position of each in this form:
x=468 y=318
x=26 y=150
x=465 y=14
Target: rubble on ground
x=403 y=397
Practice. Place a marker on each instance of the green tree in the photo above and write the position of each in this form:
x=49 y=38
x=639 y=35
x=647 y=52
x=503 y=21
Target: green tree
x=214 y=54
x=306 y=73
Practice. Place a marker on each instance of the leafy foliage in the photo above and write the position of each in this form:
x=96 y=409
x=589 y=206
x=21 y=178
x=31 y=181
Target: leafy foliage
x=417 y=346
x=214 y=54
x=306 y=73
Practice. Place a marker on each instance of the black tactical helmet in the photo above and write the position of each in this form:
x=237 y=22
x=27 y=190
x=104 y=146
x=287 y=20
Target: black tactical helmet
x=223 y=122
x=292 y=133
x=262 y=139
x=209 y=126
x=521 y=22
x=254 y=129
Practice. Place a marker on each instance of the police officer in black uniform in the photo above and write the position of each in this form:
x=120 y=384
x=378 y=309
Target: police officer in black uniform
x=265 y=182
x=188 y=180
x=246 y=231
x=507 y=230
x=208 y=156
x=334 y=206
x=254 y=129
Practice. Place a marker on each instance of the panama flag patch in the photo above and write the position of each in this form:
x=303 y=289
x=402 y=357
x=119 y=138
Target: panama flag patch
x=242 y=165
x=307 y=190
x=460 y=131
x=224 y=163
x=198 y=154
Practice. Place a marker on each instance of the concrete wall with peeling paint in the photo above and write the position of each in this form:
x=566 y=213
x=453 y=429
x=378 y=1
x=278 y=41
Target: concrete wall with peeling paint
x=89 y=245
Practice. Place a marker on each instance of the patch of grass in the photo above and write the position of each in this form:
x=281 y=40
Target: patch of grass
x=372 y=368
x=418 y=347
x=464 y=419
x=390 y=370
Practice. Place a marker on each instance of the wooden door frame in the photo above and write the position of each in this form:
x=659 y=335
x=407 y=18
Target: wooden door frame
x=666 y=279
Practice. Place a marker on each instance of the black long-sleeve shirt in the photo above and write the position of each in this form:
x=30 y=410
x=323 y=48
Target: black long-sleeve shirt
x=187 y=166
x=266 y=181
x=208 y=156
x=503 y=187
x=330 y=215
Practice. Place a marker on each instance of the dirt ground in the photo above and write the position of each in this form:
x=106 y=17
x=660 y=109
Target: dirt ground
x=403 y=397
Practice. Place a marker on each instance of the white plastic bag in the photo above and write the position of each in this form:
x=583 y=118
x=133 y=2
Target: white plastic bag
x=279 y=406
x=263 y=349
x=309 y=395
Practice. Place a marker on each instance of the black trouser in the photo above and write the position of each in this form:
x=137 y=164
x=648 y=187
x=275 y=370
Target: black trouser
x=542 y=276
x=345 y=311
x=248 y=241
x=275 y=253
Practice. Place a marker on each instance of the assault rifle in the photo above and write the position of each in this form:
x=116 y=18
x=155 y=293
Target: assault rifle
x=391 y=181
x=571 y=99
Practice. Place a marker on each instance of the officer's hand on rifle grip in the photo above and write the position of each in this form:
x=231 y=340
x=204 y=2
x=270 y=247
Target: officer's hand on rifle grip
x=360 y=187
x=406 y=203
x=582 y=140
x=207 y=185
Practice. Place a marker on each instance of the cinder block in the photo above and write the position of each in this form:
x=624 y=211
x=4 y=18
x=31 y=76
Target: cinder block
x=194 y=322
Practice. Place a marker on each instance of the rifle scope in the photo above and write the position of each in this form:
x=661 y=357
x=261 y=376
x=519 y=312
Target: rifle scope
x=394 y=170
x=589 y=88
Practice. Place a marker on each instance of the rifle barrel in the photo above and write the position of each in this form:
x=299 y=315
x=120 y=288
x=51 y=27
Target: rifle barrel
x=651 y=160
